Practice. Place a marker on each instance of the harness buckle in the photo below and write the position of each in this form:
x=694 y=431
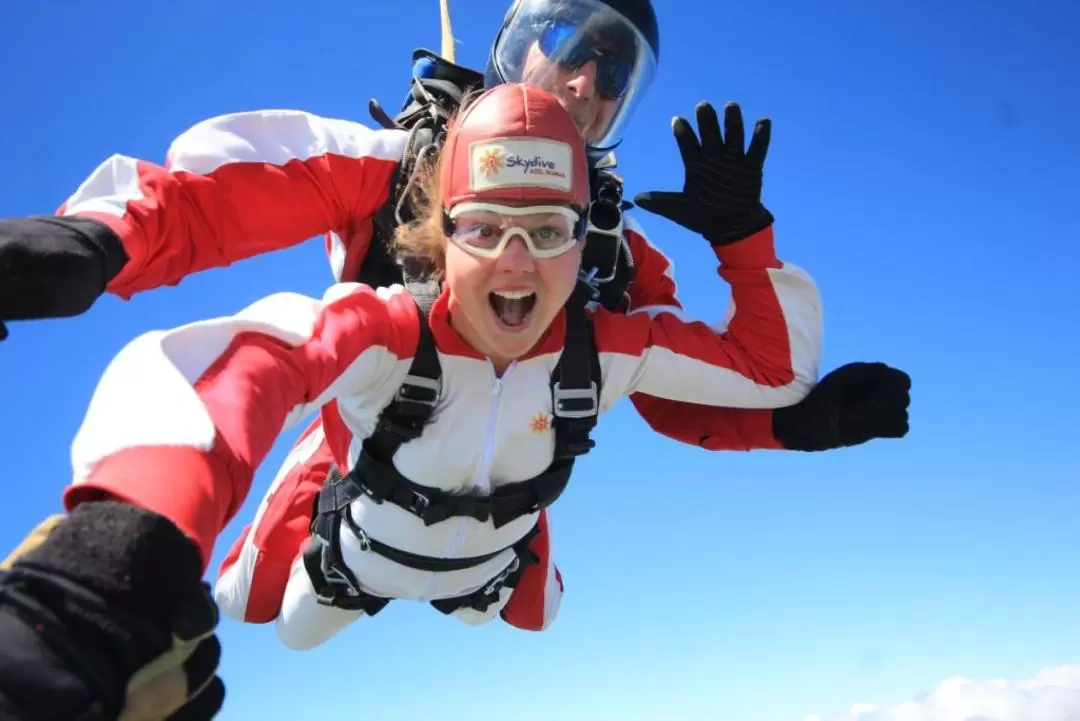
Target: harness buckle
x=568 y=401
x=419 y=503
x=418 y=389
x=334 y=577
x=615 y=238
x=413 y=403
x=361 y=536
x=496 y=584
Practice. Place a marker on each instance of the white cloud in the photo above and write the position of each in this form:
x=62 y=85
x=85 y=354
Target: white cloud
x=1053 y=694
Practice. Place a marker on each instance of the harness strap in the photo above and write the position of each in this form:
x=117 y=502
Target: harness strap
x=382 y=482
x=404 y=418
x=326 y=528
x=335 y=585
x=576 y=382
x=431 y=564
x=483 y=597
x=333 y=582
x=575 y=388
x=607 y=264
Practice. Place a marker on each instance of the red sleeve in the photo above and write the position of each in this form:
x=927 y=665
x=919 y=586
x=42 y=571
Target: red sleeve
x=654 y=277
x=185 y=433
x=766 y=357
x=710 y=427
x=237 y=186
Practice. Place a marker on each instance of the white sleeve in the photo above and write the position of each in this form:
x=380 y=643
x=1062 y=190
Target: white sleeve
x=766 y=357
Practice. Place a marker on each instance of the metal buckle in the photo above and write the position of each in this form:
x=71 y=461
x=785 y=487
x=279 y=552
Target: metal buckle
x=586 y=280
x=419 y=503
x=605 y=219
x=496 y=584
x=427 y=384
x=361 y=536
x=593 y=276
x=561 y=394
x=334 y=577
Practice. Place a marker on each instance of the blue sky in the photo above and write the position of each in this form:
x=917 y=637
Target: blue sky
x=923 y=169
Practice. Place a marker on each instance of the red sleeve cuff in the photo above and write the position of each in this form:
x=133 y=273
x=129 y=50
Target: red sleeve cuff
x=749 y=430
x=752 y=252
x=146 y=477
x=121 y=285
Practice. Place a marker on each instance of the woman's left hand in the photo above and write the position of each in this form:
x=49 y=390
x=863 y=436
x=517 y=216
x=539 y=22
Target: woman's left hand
x=721 y=195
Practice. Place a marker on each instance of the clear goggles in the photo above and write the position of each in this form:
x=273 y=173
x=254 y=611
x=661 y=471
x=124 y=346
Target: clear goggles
x=485 y=229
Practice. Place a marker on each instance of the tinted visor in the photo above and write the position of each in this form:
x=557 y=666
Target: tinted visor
x=565 y=41
x=579 y=49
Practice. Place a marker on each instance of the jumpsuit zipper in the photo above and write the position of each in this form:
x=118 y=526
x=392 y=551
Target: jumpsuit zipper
x=482 y=477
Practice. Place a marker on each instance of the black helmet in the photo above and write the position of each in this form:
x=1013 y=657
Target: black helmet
x=544 y=41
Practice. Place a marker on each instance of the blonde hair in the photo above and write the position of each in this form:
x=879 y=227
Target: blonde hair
x=423 y=237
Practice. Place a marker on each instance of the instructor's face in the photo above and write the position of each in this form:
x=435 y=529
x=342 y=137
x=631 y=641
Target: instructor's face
x=576 y=90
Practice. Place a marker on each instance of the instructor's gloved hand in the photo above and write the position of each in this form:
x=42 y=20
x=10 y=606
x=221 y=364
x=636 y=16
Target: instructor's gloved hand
x=849 y=406
x=54 y=267
x=721 y=196
x=104 y=617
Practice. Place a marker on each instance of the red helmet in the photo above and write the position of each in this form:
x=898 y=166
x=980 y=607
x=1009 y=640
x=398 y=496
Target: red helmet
x=515 y=144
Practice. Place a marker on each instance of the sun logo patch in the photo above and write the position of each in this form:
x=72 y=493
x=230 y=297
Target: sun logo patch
x=520 y=163
x=540 y=423
x=492 y=161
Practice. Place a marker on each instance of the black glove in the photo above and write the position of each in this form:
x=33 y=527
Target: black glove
x=849 y=406
x=54 y=267
x=104 y=617
x=721 y=197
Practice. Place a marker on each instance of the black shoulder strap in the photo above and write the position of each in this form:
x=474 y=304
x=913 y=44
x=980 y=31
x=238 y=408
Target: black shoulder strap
x=404 y=418
x=576 y=381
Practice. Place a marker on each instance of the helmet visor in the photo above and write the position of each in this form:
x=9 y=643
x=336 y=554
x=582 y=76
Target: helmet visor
x=584 y=52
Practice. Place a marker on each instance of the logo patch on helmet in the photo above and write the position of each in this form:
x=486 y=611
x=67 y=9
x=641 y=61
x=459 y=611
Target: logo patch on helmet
x=520 y=162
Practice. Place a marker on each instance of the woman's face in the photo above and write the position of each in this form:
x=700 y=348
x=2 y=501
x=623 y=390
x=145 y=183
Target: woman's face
x=503 y=296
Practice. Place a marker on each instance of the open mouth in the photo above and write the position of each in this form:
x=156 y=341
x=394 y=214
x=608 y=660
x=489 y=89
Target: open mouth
x=512 y=307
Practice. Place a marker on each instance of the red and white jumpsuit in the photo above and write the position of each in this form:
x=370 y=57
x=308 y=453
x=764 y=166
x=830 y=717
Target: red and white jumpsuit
x=182 y=418
x=248 y=183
